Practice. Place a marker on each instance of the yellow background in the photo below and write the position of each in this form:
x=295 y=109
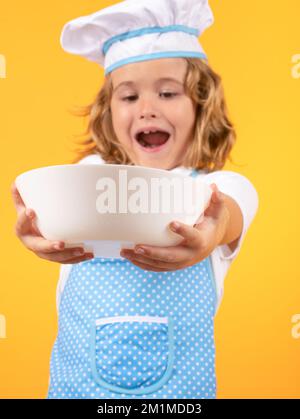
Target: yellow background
x=251 y=45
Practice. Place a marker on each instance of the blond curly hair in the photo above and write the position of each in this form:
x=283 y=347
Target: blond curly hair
x=214 y=134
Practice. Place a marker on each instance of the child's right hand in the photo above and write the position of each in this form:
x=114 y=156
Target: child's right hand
x=31 y=237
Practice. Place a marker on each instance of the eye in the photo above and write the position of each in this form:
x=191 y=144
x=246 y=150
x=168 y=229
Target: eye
x=169 y=93
x=166 y=94
x=128 y=98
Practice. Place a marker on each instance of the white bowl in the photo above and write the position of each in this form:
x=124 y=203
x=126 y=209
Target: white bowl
x=69 y=201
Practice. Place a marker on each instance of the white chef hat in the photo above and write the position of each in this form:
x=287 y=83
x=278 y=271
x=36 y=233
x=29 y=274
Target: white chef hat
x=139 y=30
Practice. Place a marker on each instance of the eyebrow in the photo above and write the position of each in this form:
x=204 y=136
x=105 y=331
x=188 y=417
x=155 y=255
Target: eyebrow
x=130 y=83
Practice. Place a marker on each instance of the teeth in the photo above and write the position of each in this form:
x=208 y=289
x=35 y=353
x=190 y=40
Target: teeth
x=148 y=132
x=144 y=144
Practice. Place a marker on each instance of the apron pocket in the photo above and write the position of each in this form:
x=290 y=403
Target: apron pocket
x=132 y=354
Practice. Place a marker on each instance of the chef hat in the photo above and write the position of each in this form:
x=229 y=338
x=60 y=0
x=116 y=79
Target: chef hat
x=139 y=30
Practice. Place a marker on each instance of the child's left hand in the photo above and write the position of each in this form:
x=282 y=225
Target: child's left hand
x=198 y=240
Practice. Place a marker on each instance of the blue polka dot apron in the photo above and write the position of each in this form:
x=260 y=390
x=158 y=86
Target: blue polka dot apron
x=125 y=332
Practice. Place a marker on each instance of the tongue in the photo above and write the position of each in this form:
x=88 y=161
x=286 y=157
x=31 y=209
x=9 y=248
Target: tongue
x=155 y=138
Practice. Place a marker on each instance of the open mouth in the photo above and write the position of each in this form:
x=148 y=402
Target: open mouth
x=153 y=141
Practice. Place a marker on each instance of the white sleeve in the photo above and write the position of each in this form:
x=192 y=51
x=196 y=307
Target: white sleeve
x=239 y=188
x=243 y=192
x=65 y=269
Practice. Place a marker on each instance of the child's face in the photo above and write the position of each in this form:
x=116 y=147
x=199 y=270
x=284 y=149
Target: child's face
x=149 y=102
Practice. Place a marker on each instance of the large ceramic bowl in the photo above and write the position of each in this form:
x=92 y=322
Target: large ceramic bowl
x=107 y=207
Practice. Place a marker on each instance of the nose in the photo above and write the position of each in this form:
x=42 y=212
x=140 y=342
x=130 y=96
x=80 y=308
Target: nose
x=146 y=115
x=148 y=110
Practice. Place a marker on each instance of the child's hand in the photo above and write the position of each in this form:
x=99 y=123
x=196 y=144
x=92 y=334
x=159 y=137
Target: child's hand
x=199 y=240
x=31 y=237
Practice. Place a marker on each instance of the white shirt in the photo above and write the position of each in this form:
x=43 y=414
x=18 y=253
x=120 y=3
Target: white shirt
x=237 y=186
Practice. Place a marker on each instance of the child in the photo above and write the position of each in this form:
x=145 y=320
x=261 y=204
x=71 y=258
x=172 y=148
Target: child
x=141 y=325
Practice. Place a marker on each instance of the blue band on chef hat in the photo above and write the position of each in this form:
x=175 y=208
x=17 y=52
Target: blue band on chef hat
x=145 y=31
x=165 y=54
x=155 y=56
